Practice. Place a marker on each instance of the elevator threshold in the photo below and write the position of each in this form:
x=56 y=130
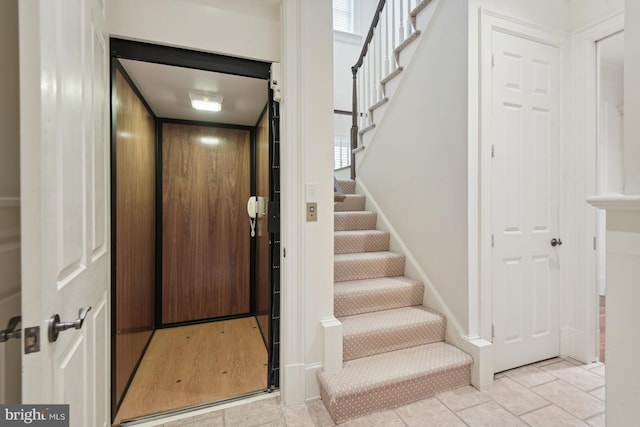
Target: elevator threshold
x=196 y=364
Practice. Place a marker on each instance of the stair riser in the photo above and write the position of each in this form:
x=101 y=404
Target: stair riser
x=347 y=186
x=361 y=221
x=377 y=342
x=393 y=395
x=368 y=269
x=353 y=202
x=361 y=243
x=350 y=304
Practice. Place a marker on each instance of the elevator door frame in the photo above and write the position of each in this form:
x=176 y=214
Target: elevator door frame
x=147 y=52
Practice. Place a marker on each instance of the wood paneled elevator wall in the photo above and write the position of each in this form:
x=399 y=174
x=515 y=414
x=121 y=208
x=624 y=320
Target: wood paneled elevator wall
x=205 y=230
x=135 y=231
x=262 y=266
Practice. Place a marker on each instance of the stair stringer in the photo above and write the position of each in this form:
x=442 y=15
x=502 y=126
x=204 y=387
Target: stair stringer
x=479 y=348
x=423 y=19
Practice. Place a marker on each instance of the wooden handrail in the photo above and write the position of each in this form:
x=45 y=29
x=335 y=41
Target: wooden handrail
x=354 y=73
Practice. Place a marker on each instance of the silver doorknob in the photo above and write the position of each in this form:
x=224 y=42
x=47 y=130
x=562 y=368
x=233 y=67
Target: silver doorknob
x=11 y=331
x=56 y=326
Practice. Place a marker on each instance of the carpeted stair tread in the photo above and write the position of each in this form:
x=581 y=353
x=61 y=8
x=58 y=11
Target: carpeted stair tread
x=354 y=220
x=348 y=186
x=388 y=380
x=367 y=265
x=362 y=296
x=353 y=202
x=352 y=241
x=383 y=331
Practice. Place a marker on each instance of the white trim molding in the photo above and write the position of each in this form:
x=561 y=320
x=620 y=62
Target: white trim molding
x=292 y=379
x=580 y=162
x=621 y=202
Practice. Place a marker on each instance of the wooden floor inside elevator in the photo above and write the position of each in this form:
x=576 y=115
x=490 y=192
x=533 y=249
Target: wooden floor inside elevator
x=196 y=364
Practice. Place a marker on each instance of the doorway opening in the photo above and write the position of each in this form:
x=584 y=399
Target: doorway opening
x=610 y=130
x=195 y=287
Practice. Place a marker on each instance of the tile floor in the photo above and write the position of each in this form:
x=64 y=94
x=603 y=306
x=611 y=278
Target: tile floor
x=556 y=392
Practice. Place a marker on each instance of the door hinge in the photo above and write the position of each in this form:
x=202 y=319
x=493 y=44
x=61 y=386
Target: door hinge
x=493 y=151
x=595 y=244
x=492 y=241
x=493 y=332
x=493 y=61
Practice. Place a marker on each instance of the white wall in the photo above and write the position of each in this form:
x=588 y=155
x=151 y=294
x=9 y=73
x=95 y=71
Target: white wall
x=316 y=127
x=631 y=146
x=586 y=12
x=243 y=28
x=610 y=121
x=416 y=165
x=609 y=150
x=10 y=384
x=346 y=50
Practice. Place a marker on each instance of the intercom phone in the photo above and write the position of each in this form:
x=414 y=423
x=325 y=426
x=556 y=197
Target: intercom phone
x=256 y=208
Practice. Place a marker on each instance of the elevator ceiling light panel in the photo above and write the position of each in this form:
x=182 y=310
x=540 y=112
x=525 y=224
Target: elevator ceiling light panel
x=210 y=140
x=206 y=101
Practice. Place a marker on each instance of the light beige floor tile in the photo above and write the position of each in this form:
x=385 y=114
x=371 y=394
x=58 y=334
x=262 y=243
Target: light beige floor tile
x=319 y=414
x=576 y=376
x=530 y=376
x=462 y=397
x=417 y=413
x=253 y=414
x=273 y=424
x=546 y=362
x=212 y=419
x=551 y=416
x=600 y=370
x=597 y=421
x=599 y=393
x=569 y=398
x=379 y=419
x=297 y=415
x=515 y=397
x=489 y=414
x=591 y=366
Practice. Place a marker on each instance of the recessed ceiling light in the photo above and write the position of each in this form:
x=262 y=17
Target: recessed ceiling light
x=208 y=101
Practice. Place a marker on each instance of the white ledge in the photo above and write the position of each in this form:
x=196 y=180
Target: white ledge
x=620 y=202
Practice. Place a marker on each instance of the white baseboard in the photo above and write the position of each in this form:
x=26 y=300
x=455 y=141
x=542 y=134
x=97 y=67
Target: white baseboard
x=312 y=391
x=292 y=384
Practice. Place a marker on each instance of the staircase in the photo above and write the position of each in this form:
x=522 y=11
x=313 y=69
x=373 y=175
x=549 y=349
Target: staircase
x=393 y=347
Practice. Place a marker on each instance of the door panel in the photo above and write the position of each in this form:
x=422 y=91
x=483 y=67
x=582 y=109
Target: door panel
x=64 y=182
x=205 y=230
x=262 y=264
x=525 y=135
x=135 y=232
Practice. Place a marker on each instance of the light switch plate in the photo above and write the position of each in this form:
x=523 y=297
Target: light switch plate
x=312 y=212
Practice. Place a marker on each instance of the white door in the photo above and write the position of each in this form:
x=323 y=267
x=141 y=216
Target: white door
x=64 y=163
x=525 y=138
